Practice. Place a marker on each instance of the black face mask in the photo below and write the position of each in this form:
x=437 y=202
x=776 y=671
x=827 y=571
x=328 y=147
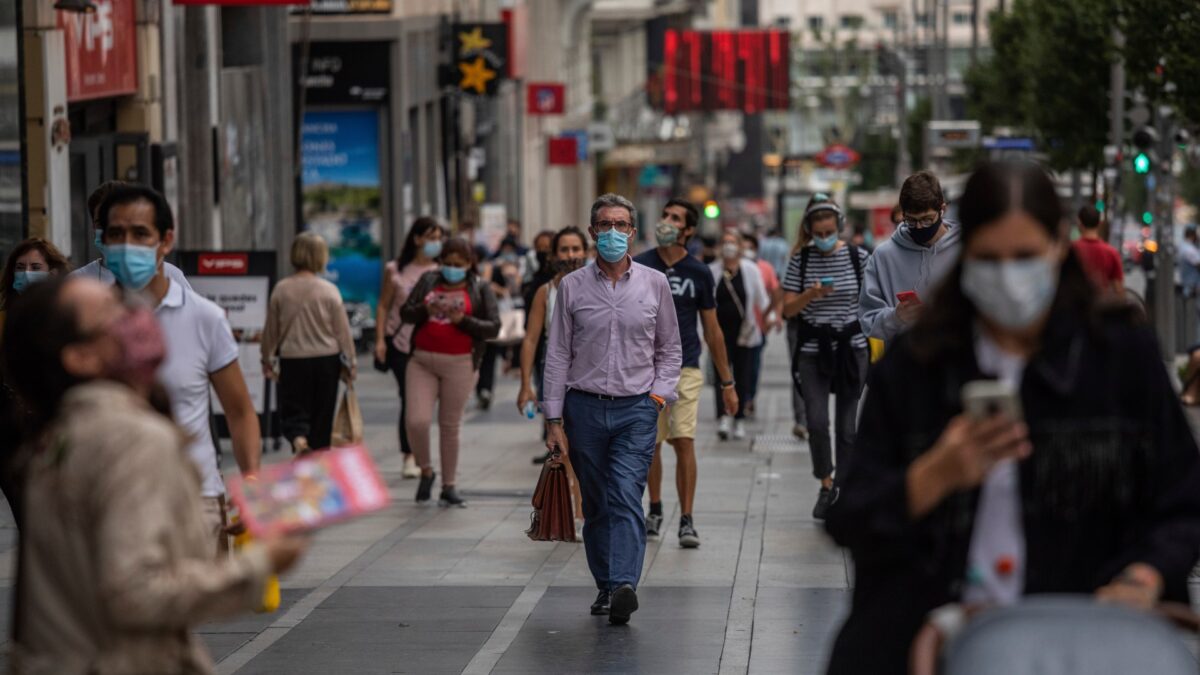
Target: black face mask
x=543 y=259
x=708 y=258
x=924 y=234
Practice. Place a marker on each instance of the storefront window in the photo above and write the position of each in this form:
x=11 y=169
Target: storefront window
x=11 y=229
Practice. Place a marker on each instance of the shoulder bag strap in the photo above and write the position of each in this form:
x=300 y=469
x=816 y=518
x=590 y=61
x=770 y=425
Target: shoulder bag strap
x=733 y=294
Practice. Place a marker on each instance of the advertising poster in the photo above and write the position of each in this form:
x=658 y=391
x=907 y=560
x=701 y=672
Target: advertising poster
x=244 y=299
x=342 y=198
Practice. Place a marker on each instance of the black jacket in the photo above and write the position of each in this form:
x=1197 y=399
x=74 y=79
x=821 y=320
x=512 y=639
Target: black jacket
x=482 y=325
x=1114 y=478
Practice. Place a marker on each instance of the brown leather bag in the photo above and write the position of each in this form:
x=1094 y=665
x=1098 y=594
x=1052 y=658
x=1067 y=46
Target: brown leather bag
x=553 y=517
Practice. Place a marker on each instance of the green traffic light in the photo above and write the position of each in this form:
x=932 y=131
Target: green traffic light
x=711 y=210
x=1141 y=163
x=1100 y=205
x=1148 y=218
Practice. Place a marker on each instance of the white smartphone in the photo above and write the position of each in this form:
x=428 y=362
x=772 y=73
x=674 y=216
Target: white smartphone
x=982 y=399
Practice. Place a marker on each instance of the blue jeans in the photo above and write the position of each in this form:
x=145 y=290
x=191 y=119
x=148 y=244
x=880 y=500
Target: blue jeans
x=612 y=444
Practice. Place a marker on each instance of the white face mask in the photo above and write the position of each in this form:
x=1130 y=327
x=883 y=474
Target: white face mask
x=1012 y=293
x=730 y=251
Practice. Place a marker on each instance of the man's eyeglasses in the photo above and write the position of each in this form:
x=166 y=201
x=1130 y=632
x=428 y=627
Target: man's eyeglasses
x=622 y=226
x=922 y=223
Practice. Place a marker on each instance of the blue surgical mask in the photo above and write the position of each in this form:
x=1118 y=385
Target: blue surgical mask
x=133 y=266
x=24 y=279
x=432 y=249
x=825 y=244
x=612 y=245
x=453 y=275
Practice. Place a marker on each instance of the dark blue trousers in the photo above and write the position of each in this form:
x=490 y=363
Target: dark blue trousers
x=612 y=444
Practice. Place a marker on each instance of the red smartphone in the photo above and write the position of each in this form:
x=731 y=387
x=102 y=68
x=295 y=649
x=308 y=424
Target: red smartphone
x=907 y=296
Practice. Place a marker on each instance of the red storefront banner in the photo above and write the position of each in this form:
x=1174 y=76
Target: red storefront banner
x=564 y=151
x=272 y=2
x=746 y=70
x=101 y=50
x=224 y=263
x=546 y=98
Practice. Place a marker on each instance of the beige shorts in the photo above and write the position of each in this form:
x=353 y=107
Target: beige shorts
x=679 y=419
x=215 y=521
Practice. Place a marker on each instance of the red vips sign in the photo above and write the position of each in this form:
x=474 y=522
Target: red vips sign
x=101 y=50
x=224 y=263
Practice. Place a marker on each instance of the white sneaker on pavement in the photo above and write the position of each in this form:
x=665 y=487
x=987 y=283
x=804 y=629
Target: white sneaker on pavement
x=723 y=427
x=739 y=429
x=411 y=470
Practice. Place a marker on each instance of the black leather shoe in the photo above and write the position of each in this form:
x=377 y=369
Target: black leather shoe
x=624 y=604
x=425 y=487
x=450 y=497
x=600 y=606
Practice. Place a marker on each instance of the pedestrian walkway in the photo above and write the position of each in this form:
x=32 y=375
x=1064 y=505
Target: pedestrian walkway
x=419 y=589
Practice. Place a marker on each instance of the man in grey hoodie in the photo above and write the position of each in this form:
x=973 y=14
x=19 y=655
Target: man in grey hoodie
x=904 y=271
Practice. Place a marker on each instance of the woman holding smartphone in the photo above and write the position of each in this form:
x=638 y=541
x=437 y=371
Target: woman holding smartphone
x=453 y=312
x=821 y=290
x=1095 y=491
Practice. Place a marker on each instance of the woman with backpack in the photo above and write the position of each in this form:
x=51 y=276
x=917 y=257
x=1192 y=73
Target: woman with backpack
x=821 y=290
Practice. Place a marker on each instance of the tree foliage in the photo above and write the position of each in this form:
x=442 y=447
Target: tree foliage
x=1049 y=71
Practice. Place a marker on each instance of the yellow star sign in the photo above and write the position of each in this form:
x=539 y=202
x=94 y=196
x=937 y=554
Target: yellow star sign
x=474 y=41
x=475 y=75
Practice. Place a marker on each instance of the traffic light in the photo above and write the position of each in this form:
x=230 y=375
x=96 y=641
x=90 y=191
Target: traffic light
x=1141 y=163
x=1145 y=138
x=1148 y=218
x=711 y=210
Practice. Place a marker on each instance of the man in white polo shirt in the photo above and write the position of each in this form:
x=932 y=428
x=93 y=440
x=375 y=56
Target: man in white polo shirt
x=138 y=232
x=96 y=269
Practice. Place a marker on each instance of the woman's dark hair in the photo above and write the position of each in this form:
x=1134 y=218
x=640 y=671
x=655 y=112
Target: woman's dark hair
x=567 y=231
x=459 y=246
x=420 y=227
x=55 y=261
x=38 y=327
x=994 y=189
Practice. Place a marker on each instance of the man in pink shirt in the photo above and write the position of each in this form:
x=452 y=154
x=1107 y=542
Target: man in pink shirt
x=612 y=362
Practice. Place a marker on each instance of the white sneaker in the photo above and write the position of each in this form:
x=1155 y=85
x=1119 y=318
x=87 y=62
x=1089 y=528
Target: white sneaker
x=411 y=470
x=739 y=430
x=723 y=427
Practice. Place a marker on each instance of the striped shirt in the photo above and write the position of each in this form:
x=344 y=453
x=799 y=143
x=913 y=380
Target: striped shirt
x=838 y=309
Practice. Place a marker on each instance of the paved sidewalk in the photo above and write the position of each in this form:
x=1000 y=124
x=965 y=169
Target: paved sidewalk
x=420 y=589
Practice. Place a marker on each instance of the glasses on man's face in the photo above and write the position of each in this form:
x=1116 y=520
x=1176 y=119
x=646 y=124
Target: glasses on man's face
x=622 y=226
x=923 y=222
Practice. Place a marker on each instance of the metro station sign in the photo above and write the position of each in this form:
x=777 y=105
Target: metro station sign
x=838 y=156
x=101 y=50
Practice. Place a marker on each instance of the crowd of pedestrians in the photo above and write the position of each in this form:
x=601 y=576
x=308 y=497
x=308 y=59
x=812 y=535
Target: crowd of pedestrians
x=1001 y=424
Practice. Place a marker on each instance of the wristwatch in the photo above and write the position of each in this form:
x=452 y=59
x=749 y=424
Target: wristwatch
x=727 y=385
x=658 y=401
x=554 y=420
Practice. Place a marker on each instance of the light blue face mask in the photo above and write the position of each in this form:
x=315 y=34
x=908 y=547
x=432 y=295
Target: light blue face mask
x=825 y=244
x=133 y=266
x=453 y=275
x=23 y=279
x=612 y=245
x=432 y=249
x=99 y=240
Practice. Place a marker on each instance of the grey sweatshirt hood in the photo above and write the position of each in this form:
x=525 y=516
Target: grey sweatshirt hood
x=901 y=264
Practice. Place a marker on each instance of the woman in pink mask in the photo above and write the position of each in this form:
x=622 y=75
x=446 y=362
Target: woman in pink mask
x=114 y=552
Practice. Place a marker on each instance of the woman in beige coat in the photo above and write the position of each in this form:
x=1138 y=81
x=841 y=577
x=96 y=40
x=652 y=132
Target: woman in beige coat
x=115 y=565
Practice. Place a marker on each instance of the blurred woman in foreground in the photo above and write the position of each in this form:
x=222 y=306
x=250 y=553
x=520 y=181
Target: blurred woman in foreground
x=115 y=563
x=1088 y=481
